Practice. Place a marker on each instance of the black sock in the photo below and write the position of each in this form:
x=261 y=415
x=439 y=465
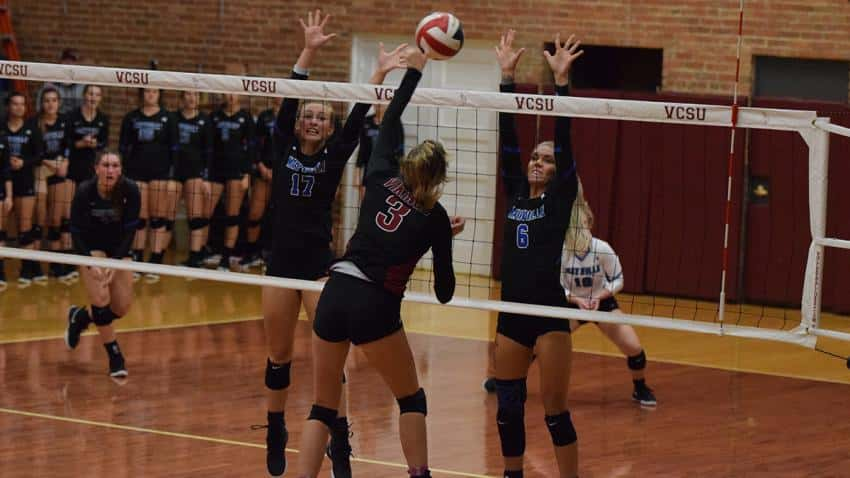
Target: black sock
x=639 y=383
x=276 y=417
x=138 y=255
x=513 y=473
x=340 y=428
x=112 y=349
x=156 y=257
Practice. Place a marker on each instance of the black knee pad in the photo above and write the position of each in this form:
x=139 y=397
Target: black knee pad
x=637 y=362
x=324 y=415
x=561 y=428
x=277 y=375
x=54 y=234
x=102 y=315
x=415 y=403
x=142 y=224
x=511 y=395
x=3 y=236
x=25 y=238
x=198 y=223
x=65 y=226
x=230 y=221
x=157 y=223
x=255 y=223
x=37 y=232
x=169 y=225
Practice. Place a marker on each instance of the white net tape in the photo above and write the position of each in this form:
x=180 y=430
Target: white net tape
x=806 y=123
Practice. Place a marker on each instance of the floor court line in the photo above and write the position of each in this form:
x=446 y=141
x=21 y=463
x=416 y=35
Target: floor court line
x=151 y=328
x=222 y=441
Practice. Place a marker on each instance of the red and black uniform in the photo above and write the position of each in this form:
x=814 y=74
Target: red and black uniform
x=146 y=144
x=26 y=144
x=104 y=224
x=362 y=300
x=193 y=156
x=81 y=160
x=303 y=189
x=534 y=231
x=233 y=145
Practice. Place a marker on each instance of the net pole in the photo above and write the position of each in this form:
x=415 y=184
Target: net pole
x=730 y=165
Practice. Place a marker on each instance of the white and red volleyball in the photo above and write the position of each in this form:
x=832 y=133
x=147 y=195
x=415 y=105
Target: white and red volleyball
x=439 y=35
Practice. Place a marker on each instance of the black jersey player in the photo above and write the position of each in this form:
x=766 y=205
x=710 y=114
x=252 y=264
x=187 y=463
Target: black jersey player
x=306 y=174
x=57 y=205
x=104 y=218
x=191 y=165
x=233 y=148
x=539 y=202
x=5 y=204
x=148 y=135
x=23 y=138
x=400 y=219
x=267 y=153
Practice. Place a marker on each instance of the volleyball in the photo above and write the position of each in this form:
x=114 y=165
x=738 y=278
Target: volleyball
x=439 y=35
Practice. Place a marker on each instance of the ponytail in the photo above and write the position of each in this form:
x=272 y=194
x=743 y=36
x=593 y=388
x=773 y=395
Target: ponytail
x=579 y=235
x=423 y=171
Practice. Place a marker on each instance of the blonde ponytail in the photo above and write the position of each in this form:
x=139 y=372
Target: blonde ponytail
x=579 y=234
x=423 y=171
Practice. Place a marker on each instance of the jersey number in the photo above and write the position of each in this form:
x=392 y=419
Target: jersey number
x=302 y=185
x=522 y=236
x=390 y=220
x=584 y=281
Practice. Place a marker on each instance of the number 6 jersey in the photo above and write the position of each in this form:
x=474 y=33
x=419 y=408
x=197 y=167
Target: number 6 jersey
x=393 y=233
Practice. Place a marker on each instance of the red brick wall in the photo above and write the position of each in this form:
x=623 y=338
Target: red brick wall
x=698 y=36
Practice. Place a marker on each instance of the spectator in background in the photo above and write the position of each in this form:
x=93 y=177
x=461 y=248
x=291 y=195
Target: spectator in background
x=71 y=93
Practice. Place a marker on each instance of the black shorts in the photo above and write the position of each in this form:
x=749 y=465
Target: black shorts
x=222 y=177
x=23 y=185
x=54 y=180
x=607 y=305
x=186 y=170
x=79 y=175
x=300 y=263
x=525 y=329
x=353 y=309
x=144 y=176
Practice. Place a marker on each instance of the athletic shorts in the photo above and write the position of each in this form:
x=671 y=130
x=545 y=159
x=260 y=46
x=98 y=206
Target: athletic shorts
x=356 y=310
x=225 y=176
x=525 y=329
x=54 y=180
x=300 y=263
x=187 y=170
x=23 y=185
x=147 y=175
x=607 y=305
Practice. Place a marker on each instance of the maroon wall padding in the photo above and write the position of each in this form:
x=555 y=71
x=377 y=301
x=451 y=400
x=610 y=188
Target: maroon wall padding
x=778 y=232
x=658 y=192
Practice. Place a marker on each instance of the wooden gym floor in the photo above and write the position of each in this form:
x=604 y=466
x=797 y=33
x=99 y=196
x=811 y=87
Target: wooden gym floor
x=727 y=407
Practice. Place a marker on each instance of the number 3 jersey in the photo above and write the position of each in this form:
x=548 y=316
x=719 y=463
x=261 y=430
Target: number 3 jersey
x=535 y=228
x=304 y=186
x=589 y=275
x=393 y=233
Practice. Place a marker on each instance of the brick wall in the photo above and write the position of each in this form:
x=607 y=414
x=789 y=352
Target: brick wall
x=698 y=36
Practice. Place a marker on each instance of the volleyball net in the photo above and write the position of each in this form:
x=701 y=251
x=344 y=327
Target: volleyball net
x=654 y=173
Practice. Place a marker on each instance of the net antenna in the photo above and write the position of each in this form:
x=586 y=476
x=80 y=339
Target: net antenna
x=815 y=132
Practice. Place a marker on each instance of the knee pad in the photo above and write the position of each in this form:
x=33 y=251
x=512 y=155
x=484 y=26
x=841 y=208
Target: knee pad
x=324 y=415
x=230 y=221
x=102 y=315
x=510 y=418
x=277 y=375
x=255 y=222
x=198 y=223
x=37 y=232
x=141 y=224
x=65 y=225
x=561 y=428
x=54 y=234
x=415 y=403
x=2 y=236
x=157 y=223
x=25 y=238
x=169 y=224
x=637 y=362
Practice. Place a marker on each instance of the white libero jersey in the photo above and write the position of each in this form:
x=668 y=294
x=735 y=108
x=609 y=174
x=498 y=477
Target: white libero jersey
x=596 y=271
